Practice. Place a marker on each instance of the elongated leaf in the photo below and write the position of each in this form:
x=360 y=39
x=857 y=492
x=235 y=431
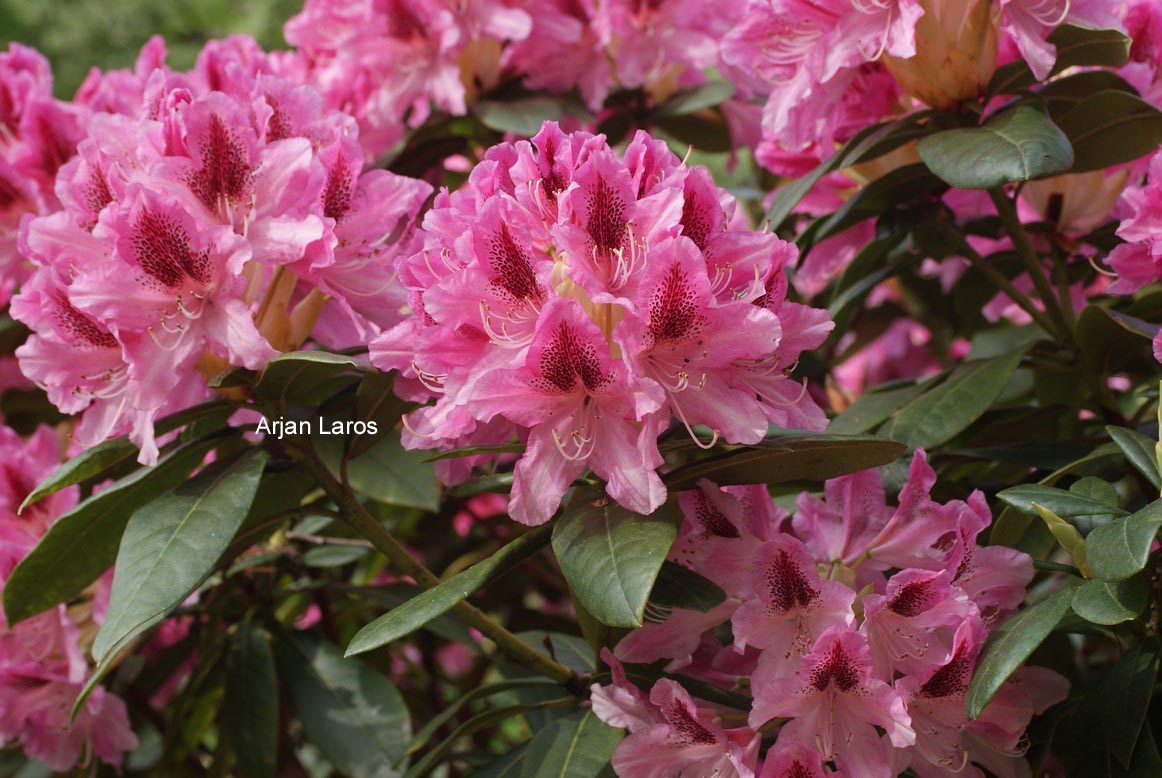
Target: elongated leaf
x=868 y=144
x=375 y=402
x=1061 y=502
x=355 y=717
x=1147 y=762
x=872 y=409
x=81 y=545
x=707 y=95
x=106 y=456
x=680 y=587
x=1111 y=127
x=1066 y=534
x=171 y=544
x=797 y=459
x=250 y=707
x=1125 y=698
x=507 y=766
x=944 y=411
x=1075 y=46
x=1110 y=602
x=611 y=557
x=429 y=604
x=386 y=472
x=307 y=377
x=1139 y=451
x=428 y=731
x=1011 y=645
x=578 y=746
x=1020 y=144
x=901 y=186
x=1119 y=549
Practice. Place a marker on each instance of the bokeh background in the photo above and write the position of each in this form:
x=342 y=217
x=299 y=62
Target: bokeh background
x=78 y=34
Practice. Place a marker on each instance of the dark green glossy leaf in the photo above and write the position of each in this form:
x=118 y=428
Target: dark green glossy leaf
x=1061 y=502
x=1119 y=549
x=1109 y=128
x=171 y=544
x=680 y=587
x=1124 y=698
x=332 y=556
x=82 y=544
x=307 y=377
x=1011 y=644
x=816 y=458
x=705 y=130
x=1020 y=144
x=438 y=600
x=872 y=409
x=1076 y=46
x=355 y=717
x=688 y=101
x=1139 y=451
x=942 y=412
x=578 y=746
x=1110 y=602
x=611 y=556
x=375 y=402
x=386 y=472
x=250 y=705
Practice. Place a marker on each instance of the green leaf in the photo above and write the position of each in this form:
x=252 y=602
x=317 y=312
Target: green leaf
x=441 y=598
x=250 y=705
x=1139 y=451
x=332 y=555
x=355 y=717
x=108 y=455
x=1059 y=501
x=375 y=402
x=705 y=130
x=171 y=544
x=611 y=556
x=1076 y=46
x=578 y=746
x=816 y=458
x=868 y=144
x=507 y=766
x=1109 y=603
x=946 y=410
x=1020 y=144
x=307 y=377
x=1119 y=549
x=1124 y=698
x=1147 y=762
x=899 y=187
x=1011 y=644
x=688 y=101
x=520 y=117
x=1109 y=128
x=386 y=472
x=872 y=409
x=82 y=544
x=681 y=587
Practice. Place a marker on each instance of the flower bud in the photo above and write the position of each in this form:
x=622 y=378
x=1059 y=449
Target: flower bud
x=956 y=53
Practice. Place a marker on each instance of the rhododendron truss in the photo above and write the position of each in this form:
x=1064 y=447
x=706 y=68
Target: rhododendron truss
x=591 y=299
x=211 y=229
x=854 y=626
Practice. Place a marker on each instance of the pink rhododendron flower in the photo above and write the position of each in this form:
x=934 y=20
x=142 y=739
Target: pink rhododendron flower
x=228 y=220
x=855 y=627
x=591 y=301
x=42 y=664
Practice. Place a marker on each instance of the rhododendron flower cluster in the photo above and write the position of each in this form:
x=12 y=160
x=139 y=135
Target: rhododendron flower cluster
x=585 y=300
x=847 y=618
x=42 y=659
x=388 y=62
x=226 y=221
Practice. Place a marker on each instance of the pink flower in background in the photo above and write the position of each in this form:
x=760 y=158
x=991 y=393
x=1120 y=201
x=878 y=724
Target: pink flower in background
x=593 y=301
x=42 y=664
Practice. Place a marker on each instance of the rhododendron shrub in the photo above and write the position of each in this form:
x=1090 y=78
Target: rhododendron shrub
x=754 y=389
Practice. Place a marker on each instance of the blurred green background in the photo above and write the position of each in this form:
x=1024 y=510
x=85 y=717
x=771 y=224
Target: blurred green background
x=78 y=34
